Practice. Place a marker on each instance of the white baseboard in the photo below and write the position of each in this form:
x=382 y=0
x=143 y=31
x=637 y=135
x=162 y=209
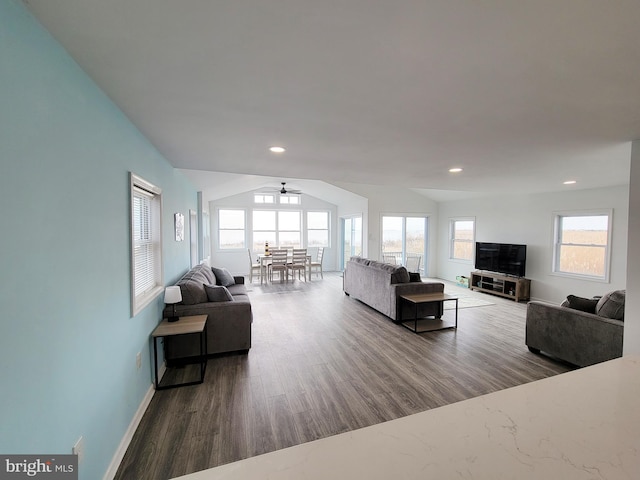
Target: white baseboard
x=128 y=436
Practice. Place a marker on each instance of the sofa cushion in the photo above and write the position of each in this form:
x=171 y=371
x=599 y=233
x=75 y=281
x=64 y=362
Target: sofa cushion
x=237 y=289
x=363 y=261
x=223 y=277
x=400 y=275
x=207 y=272
x=611 y=305
x=192 y=287
x=218 y=293
x=582 y=304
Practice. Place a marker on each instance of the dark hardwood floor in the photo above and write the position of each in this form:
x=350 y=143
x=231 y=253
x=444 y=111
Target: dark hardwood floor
x=322 y=364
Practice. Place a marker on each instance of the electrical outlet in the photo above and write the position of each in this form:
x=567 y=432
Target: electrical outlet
x=139 y=360
x=78 y=449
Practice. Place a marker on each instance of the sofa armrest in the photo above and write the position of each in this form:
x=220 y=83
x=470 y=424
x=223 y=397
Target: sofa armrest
x=238 y=307
x=578 y=337
x=398 y=289
x=416 y=287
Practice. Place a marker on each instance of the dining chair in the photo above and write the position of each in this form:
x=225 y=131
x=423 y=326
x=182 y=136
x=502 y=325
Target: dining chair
x=253 y=267
x=413 y=262
x=279 y=264
x=317 y=263
x=389 y=258
x=298 y=262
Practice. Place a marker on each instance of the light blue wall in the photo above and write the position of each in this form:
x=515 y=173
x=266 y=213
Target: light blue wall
x=67 y=340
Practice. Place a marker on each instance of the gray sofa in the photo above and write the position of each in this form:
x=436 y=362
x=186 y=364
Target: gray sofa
x=380 y=285
x=580 y=331
x=229 y=317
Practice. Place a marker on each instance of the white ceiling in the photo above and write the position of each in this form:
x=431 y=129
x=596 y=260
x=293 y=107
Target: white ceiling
x=522 y=94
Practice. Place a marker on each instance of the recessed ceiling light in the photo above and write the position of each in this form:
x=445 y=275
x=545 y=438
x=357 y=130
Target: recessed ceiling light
x=570 y=182
x=277 y=149
x=455 y=170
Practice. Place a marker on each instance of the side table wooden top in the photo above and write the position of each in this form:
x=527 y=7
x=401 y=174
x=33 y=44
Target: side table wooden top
x=189 y=324
x=428 y=297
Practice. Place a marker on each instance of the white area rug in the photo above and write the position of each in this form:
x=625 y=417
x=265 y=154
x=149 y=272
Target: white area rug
x=467 y=302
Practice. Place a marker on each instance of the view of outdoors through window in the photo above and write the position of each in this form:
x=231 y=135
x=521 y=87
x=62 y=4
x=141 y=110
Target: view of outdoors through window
x=352 y=241
x=582 y=244
x=462 y=240
x=402 y=236
x=279 y=228
x=317 y=229
x=231 y=228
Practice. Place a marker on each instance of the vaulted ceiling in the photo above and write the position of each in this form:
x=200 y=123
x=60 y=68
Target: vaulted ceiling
x=523 y=95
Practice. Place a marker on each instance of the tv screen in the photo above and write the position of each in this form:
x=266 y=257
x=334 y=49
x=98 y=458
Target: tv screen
x=507 y=258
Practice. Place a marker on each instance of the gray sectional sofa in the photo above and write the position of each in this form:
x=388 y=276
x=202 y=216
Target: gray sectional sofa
x=581 y=331
x=380 y=285
x=223 y=298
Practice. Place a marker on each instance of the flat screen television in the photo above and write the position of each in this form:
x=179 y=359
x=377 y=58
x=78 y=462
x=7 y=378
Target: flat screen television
x=507 y=258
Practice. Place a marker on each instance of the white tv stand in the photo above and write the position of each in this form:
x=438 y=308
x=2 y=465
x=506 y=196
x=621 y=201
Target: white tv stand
x=515 y=288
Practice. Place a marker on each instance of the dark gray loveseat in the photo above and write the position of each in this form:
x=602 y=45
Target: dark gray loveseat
x=580 y=331
x=228 y=322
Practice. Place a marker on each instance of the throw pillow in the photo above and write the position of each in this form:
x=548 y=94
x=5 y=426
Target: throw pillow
x=223 y=277
x=400 y=275
x=582 y=304
x=218 y=293
x=611 y=305
x=414 y=277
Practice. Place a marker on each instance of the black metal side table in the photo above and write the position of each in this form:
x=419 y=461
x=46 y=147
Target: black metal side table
x=185 y=326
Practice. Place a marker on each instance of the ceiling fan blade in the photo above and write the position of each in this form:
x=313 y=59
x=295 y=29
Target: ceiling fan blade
x=284 y=190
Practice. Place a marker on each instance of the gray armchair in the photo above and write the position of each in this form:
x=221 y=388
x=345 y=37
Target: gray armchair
x=578 y=337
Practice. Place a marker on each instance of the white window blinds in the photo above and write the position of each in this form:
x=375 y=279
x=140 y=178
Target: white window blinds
x=146 y=243
x=143 y=248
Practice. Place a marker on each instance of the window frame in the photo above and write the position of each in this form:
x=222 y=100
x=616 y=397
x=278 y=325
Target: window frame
x=277 y=229
x=557 y=244
x=285 y=199
x=264 y=198
x=244 y=229
x=280 y=230
x=138 y=187
x=453 y=240
x=328 y=229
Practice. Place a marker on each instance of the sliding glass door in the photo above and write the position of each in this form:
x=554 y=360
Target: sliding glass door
x=351 y=231
x=404 y=241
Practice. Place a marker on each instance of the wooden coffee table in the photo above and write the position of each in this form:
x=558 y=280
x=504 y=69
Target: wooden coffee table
x=433 y=324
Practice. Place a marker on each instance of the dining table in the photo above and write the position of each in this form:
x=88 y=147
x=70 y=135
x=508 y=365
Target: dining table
x=264 y=263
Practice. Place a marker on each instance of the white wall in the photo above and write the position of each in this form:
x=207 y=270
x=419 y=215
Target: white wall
x=237 y=261
x=528 y=219
x=632 y=305
x=385 y=200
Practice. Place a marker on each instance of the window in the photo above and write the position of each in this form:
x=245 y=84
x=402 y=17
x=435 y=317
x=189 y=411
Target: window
x=231 y=229
x=289 y=229
x=289 y=199
x=317 y=229
x=263 y=198
x=264 y=229
x=146 y=243
x=279 y=228
x=461 y=239
x=581 y=246
x=404 y=239
x=351 y=234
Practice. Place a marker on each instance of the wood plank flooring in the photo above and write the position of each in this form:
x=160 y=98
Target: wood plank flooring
x=321 y=364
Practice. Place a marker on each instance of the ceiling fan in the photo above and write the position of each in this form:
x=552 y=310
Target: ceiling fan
x=285 y=191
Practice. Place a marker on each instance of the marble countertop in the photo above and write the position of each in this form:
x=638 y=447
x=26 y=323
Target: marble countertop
x=584 y=424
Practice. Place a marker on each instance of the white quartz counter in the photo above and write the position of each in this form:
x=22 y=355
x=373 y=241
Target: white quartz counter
x=579 y=425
